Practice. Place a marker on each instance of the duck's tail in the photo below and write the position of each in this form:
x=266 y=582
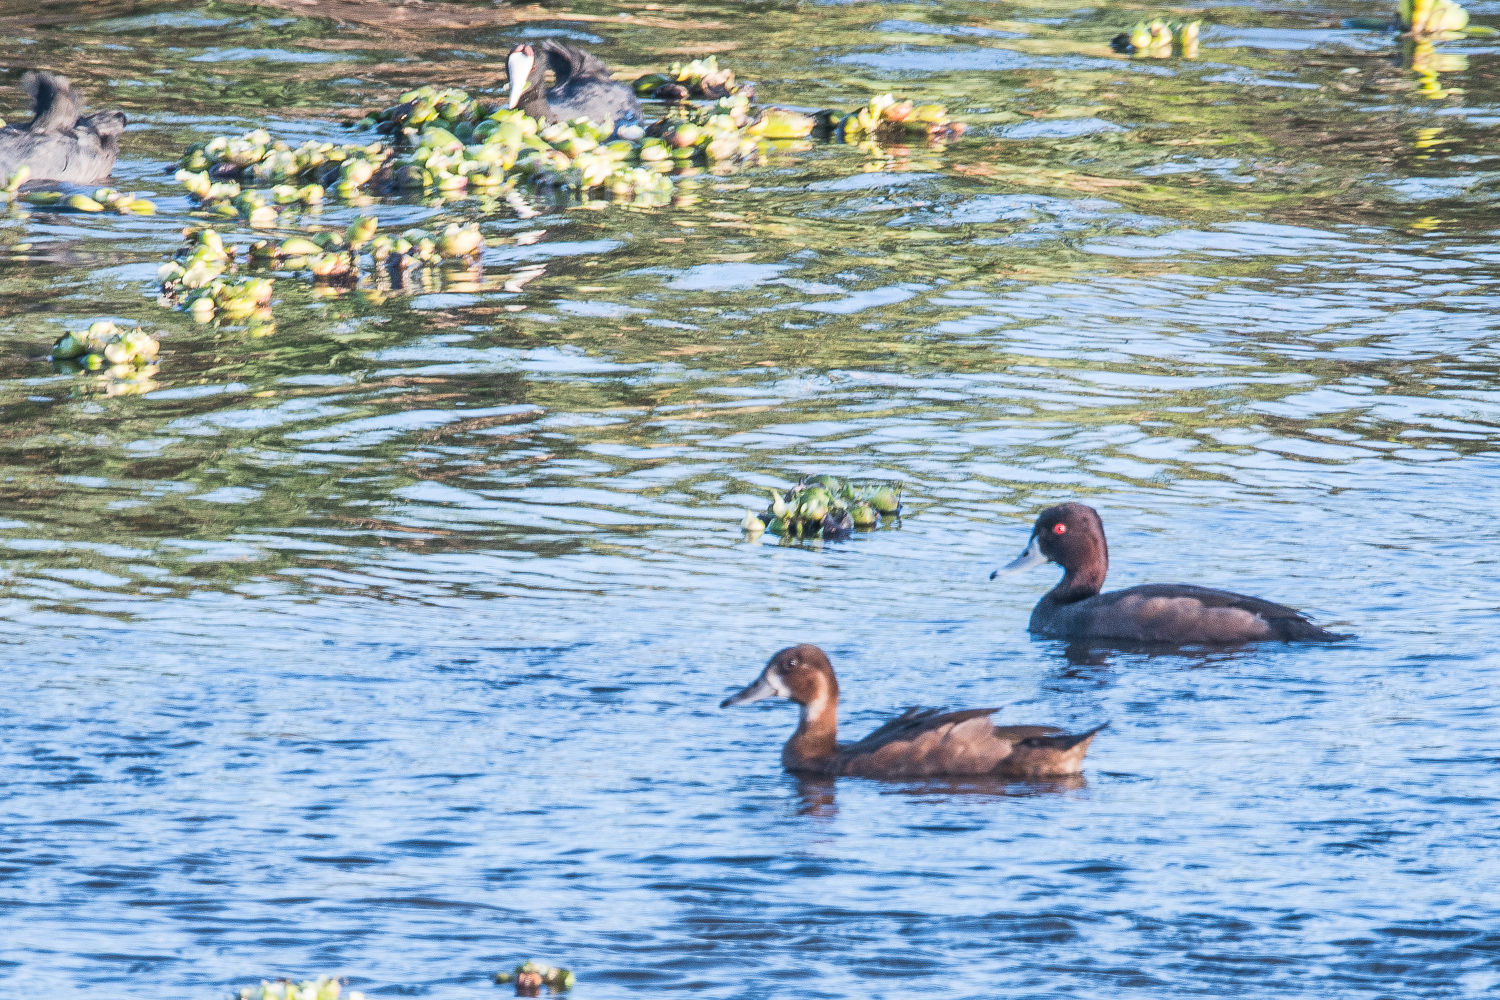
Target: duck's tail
x=1299 y=629
x=1065 y=741
x=52 y=100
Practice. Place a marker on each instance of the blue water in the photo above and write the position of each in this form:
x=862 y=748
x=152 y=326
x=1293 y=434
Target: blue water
x=390 y=645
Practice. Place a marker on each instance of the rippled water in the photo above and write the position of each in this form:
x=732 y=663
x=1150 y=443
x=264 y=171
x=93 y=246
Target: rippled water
x=390 y=644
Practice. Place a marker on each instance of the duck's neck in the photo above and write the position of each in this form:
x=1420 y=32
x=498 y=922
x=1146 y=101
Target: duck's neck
x=534 y=103
x=814 y=745
x=1079 y=583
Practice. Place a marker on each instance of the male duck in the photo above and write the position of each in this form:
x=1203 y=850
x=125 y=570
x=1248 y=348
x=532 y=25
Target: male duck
x=1072 y=535
x=581 y=88
x=922 y=743
x=57 y=144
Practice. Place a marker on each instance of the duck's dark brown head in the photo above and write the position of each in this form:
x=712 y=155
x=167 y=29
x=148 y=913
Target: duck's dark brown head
x=526 y=72
x=797 y=673
x=1071 y=535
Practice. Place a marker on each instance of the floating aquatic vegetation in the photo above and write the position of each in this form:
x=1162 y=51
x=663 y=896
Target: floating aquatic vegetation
x=256 y=177
x=199 y=280
x=124 y=359
x=530 y=977
x=468 y=144
x=103 y=200
x=508 y=147
x=446 y=143
x=1421 y=18
x=824 y=506
x=700 y=79
x=14 y=180
x=241 y=298
x=338 y=256
x=203 y=260
x=1158 y=39
x=322 y=988
x=461 y=143
x=887 y=119
x=194 y=282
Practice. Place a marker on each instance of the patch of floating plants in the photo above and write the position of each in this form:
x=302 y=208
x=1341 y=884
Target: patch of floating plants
x=124 y=360
x=1429 y=18
x=203 y=280
x=1158 y=39
x=699 y=79
x=102 y=200
x=447 y=143
x=530 y=977
x=1422 y=24
x=825 y=507
x=322 y=988
x=195 y=282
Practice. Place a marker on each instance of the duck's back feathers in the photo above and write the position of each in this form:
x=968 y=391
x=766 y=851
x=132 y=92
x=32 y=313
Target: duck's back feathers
x=913 y=722
x=107 y=124
x=583 y=89
x=1177 y=613
x=567 y=62
x=929 y=742
x=58 y=145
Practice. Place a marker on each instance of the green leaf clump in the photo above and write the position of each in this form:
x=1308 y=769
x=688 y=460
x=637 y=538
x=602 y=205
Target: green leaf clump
x=825 y=506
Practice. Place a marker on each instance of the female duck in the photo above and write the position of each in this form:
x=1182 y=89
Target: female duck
x=1072 y=535
x=581 y=89
x=57 y=144
x=922 y=743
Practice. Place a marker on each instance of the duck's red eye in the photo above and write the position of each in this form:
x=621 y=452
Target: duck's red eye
x=1059 y=529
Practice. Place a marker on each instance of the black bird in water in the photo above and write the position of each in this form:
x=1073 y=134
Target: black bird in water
x=58 y=144
x=581 y=88
x=1072 y=535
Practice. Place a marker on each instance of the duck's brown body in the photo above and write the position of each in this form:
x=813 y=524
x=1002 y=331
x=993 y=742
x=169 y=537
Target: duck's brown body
x=922 y=743
x=1072 y=535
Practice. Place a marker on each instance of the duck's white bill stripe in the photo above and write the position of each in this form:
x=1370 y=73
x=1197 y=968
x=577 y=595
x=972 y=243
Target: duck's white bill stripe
x=1026 y=560
x=767 y=685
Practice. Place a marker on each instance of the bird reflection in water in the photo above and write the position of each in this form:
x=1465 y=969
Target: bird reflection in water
x=817 y=794
x=1093 y=653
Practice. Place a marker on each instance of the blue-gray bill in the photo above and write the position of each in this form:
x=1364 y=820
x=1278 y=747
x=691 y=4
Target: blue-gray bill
x=761 y=689
x=1026 y=560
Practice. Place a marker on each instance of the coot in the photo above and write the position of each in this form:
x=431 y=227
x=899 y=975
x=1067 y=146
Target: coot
x=57 y=144
x=581 y=88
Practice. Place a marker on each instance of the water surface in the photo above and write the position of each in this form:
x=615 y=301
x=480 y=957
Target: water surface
x=389 y=644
